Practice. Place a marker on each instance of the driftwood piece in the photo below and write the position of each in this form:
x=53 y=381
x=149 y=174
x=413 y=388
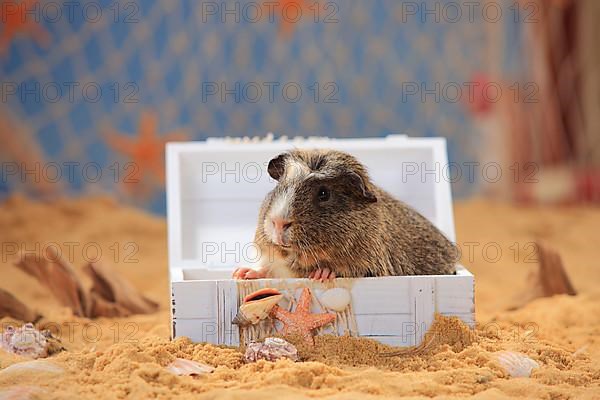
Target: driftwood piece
x=113 y=295
x=110 y=296
x=59 y=277
x=11 y=307
x=549 y=279
x=100 y=307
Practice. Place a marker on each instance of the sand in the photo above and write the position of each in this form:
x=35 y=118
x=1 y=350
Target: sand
x=119 y=358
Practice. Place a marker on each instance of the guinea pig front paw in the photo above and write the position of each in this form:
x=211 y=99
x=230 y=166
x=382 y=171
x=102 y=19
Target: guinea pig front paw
x=322 y=274
x=249 y=273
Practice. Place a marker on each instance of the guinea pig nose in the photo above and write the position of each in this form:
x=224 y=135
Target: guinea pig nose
x=281 y=224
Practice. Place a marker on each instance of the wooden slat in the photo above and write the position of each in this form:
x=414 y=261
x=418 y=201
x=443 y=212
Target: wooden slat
x=422 y=294
x=194 y=299
x=198 y=330
x=228 y=301
x=467 y=318
x=455 y=294
x=386 y=295
x=384 y=328
x=383 y=324
x=381 y=296
x=398 y=341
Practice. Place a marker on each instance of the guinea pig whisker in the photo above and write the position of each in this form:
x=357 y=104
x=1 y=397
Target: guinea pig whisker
x=301 y=252
x=313 y=255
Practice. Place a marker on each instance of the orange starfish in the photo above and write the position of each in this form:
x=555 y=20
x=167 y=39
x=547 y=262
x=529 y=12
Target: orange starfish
x=20 y=145
x=291 y=12
x=301 y=322
x=147 y=152
x=16 y=20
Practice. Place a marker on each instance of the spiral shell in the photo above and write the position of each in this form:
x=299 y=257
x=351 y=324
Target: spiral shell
x=28 y=342
x=20 y=393
x=517 y=365
x=181 y=366
x=32 y=367
x=272 y=349
x=336 y=299
x=257 y=306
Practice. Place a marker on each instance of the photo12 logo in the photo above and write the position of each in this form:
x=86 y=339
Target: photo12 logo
x=451 y=12
x=69 y=92
x=270 y=92
x=91 y=252
x=469 y=92
x=291 y=12
x=13 y=172
x=59 y=11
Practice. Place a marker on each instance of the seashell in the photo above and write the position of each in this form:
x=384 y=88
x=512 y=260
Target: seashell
x=29 y=367
x=517 y=365
x=182 y=366
x=20 y=393
x=29 y=342
x=272 y=349
x=336 y=299
x=257 y=306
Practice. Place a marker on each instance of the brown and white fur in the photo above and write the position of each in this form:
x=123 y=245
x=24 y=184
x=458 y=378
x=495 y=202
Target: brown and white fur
x=326 y=219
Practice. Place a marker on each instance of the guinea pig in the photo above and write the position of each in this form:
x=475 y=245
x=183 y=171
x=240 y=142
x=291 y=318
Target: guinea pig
x=326 y=219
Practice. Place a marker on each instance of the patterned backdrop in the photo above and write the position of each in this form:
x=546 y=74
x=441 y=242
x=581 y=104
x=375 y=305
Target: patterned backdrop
x=93 y=89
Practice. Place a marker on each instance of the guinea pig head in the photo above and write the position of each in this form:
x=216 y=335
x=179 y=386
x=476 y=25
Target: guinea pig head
x=319 y=195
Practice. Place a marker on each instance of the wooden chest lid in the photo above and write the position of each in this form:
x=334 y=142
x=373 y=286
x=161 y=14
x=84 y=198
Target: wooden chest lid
x=215 y=189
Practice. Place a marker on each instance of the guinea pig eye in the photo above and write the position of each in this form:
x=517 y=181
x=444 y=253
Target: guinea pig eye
x=323 y=194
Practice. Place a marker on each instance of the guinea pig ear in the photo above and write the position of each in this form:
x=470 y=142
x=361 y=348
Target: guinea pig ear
x=360 y=182
x=276 y=166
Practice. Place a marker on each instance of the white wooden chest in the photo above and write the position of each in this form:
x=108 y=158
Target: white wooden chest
x=214 y=192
